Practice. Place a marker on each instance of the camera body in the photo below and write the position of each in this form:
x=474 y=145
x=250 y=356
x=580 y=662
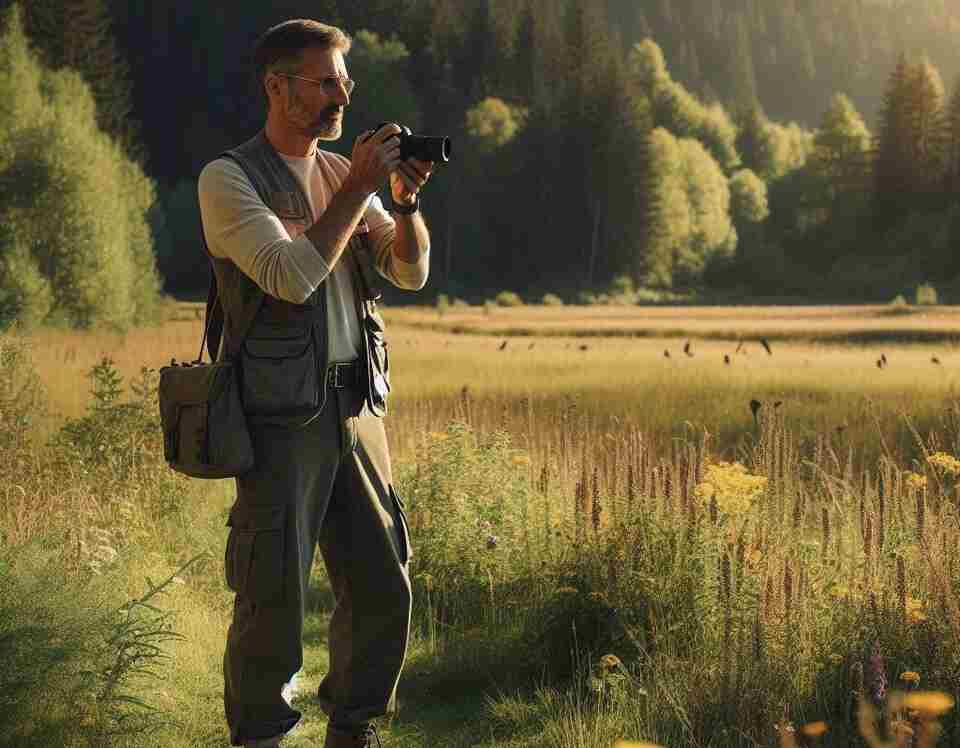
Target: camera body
x=436 y=148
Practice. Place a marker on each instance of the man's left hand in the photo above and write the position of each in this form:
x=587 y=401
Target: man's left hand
x=409 y=178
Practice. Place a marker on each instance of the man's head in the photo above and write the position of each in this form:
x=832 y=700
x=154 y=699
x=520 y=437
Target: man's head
x=304 y=49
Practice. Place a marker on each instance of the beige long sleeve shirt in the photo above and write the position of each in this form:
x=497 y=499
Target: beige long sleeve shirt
x=277 y=255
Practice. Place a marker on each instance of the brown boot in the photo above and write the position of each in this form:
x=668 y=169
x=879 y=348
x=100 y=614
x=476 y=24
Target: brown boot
x=360 y=737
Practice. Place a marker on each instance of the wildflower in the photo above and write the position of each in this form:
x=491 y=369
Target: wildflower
x=521 y=459
x=877 y=675
x=914 y=610
x=610 y=661
x=439 y=436
x=910 y=676
x=836 y=659
x=814 y=729
x=731 y=486
x=491 y=542
x=947 y=463
x=929 y=703
x=915 y=480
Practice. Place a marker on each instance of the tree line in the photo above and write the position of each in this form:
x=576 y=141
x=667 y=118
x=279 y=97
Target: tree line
x=593 y=142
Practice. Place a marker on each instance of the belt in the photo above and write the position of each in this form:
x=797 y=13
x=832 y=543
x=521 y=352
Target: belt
x=342 y=374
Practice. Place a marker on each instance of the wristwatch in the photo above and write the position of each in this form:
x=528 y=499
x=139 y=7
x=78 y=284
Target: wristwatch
x=405 y=210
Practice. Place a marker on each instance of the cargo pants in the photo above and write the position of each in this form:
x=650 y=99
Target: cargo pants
x=326 y=485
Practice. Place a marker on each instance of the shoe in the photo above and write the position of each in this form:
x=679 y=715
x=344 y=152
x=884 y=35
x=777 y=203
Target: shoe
x=364 y=736
x=263 y=743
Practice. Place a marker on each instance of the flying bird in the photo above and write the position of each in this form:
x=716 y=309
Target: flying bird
x=726 y=359
x=503 y=344
x=686 y=348
x=530 y=347
x=778 y=403
x=766 y=346
x=584 y=347
x=739 y=346
x=666 y=353
x=935 y=360
x=879 y=363
x=883 y=357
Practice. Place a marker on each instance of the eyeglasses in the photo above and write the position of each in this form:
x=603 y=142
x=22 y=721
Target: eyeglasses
x=330 y=85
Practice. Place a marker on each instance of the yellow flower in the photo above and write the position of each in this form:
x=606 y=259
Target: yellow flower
x=910 y=676
x=610 y=661
x=915 y=480
x=814 y=729
x=731 y=485
x=947 y=463
x=439 y=435
x=521 y=459
x=836 y=659
x=929 y=703
x=914 y=610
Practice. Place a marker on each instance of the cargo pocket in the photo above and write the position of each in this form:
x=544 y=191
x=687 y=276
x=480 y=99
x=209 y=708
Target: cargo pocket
x=254 y=562
x=403 y=528
x=279 y=374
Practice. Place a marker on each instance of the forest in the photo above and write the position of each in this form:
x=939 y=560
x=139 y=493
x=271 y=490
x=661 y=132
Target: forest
x=730 y=150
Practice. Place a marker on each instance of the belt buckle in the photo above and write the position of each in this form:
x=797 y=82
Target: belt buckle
x=335 y=371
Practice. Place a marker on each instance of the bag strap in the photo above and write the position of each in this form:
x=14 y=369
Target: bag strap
x=215 y=316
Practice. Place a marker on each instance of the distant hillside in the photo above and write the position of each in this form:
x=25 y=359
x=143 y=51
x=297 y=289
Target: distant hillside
x=792 y=55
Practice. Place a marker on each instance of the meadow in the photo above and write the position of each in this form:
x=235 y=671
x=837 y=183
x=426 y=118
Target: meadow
x=609 y=543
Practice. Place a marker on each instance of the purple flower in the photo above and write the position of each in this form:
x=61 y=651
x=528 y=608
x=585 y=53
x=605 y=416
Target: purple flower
x=492 y=542
x=876 y=676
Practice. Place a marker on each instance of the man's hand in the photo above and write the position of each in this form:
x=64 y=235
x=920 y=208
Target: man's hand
x=408 y=180
x=374 y=157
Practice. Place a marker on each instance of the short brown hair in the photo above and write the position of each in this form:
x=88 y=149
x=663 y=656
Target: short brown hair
x=280 y=48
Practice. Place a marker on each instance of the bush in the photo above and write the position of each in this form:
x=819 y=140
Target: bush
x=75 y=240
x=459 y=303
x=550 y=299
x=925 y=295
x=508 y=298
x=443 y=304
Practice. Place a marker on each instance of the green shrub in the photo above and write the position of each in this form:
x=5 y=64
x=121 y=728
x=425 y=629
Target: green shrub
x=508 y=298
x=550 y=299
x=899 y=300
x=925 y=295
x=459 y=303
x=75 y=241
x=443 y=304
x=74 y=660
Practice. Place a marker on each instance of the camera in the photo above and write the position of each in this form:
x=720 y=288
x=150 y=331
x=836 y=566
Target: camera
x=435 y=148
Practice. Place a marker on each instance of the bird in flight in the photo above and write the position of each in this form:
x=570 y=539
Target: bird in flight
x=726 y=359
x=766 y=346
x=934 y=360
x=666 y=353
x=503 y=344
x=686 y=348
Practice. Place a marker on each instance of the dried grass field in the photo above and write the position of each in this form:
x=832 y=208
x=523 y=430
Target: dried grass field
x=698 y=527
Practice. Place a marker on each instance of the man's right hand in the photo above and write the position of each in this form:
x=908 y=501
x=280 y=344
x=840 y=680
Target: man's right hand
x=374 y=157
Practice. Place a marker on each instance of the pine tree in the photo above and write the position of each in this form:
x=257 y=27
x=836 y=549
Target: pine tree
x=895 y=172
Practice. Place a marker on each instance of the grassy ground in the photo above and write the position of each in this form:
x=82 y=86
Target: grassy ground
x=593 y=496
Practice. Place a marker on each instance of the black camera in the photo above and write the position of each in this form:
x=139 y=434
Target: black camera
x=435 y=148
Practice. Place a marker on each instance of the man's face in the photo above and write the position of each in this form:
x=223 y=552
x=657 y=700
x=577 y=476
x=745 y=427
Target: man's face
x=312 y=109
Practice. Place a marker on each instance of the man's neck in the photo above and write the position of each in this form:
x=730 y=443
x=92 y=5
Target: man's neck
x=290 y=144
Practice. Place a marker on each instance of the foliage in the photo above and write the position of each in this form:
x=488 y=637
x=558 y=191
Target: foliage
x=494 y=123
x=926 y=295
x=508 y=298
x=550 y=299
x=75 y=247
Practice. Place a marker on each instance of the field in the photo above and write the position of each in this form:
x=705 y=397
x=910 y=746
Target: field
x=730 y=538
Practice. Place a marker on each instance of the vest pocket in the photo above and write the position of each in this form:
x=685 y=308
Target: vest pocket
x=378 y=363
x=279 y=374
x=254 y=560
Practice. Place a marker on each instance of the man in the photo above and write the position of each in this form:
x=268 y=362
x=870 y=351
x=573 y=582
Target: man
x=297 y=238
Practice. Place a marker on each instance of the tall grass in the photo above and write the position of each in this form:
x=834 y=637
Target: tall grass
x=603 y=564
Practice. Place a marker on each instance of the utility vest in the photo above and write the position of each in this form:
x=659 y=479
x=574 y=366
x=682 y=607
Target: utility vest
x=281 y=347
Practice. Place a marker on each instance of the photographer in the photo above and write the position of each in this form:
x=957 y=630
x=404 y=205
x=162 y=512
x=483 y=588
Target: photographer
x=298 y=239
